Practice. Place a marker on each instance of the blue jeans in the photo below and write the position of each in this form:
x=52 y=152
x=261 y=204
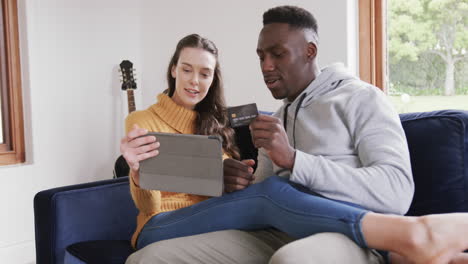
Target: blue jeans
x=275 y=202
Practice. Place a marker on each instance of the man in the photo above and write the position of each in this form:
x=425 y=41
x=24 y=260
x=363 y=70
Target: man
x=335 y=135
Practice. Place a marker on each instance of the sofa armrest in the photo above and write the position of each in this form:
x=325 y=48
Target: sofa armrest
x=101 y=210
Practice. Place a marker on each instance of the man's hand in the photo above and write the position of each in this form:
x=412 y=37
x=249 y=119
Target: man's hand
x=237 y=174
x=135 y=149
x=268 y=133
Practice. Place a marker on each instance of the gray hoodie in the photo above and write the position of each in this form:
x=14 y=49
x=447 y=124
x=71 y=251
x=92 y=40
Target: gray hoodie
x=349 y=142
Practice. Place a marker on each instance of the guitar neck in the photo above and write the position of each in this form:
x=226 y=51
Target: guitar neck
x=131 y=100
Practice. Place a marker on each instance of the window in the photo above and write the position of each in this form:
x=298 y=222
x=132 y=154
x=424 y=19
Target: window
x=417 y=51
x=371 y=42
x=11 y=108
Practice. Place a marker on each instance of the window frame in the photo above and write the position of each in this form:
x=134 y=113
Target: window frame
x=372 y=42
x=12 y=150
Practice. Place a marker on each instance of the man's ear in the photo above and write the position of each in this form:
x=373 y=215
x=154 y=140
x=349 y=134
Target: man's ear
x=311 y=50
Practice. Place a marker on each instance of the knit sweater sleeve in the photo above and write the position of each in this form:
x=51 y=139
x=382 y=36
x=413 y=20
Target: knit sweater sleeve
x=147 y=201
x=384 y=181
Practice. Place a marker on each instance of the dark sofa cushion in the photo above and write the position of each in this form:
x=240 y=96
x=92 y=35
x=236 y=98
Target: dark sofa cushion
x=438 y=144
x=101 y=251
x=244 y=142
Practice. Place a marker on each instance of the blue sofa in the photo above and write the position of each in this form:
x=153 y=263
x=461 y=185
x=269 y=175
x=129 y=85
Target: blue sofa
x=92 y=222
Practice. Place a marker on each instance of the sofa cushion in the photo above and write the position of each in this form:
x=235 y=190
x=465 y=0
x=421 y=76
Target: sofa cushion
x=99 y=252
x=438 y=145
x=244 y=142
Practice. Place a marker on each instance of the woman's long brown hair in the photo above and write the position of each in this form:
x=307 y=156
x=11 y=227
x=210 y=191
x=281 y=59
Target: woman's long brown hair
x=212 y=115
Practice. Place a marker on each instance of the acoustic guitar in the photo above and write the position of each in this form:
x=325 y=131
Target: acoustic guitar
x=127 y=71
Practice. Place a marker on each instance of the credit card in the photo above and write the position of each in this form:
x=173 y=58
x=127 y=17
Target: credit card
x=242 y=115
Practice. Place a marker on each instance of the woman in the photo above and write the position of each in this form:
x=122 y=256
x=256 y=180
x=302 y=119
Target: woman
x=193 y=104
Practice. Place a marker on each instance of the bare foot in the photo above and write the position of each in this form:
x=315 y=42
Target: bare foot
x=438 y=239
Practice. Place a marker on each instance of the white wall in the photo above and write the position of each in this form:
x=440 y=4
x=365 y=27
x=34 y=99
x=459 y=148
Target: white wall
x=74 y=109
x=234 y=27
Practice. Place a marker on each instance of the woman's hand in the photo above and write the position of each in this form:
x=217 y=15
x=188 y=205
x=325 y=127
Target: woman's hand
x=135 y=148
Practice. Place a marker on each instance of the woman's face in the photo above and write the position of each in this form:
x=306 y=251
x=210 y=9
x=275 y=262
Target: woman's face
x=193 y=76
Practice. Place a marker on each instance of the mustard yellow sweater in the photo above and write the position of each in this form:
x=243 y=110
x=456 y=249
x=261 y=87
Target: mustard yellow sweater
x=164 y=116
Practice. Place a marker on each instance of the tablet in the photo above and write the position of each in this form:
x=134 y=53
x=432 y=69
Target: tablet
x=185 y=164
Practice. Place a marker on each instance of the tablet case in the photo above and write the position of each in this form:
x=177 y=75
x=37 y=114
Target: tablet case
x=186 y=164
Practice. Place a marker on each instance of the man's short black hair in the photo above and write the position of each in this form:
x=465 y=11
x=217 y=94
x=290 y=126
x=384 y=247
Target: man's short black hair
x=293 y=15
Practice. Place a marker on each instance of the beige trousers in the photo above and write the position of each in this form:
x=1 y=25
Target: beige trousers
x=256 y=247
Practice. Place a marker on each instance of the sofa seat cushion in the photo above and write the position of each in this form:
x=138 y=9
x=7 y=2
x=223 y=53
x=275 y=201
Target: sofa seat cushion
x=99 y=252
x=71 y=259
x=438 y=145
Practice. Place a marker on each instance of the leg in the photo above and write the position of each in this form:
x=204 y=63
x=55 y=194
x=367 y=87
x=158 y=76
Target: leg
x=325 y=248
x=427 y=239
x=272 y=203
x=228 y=246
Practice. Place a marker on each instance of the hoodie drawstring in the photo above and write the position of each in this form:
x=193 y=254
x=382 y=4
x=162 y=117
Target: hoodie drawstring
x=285 y=117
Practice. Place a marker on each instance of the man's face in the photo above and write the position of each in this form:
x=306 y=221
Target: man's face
x=283 y=57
